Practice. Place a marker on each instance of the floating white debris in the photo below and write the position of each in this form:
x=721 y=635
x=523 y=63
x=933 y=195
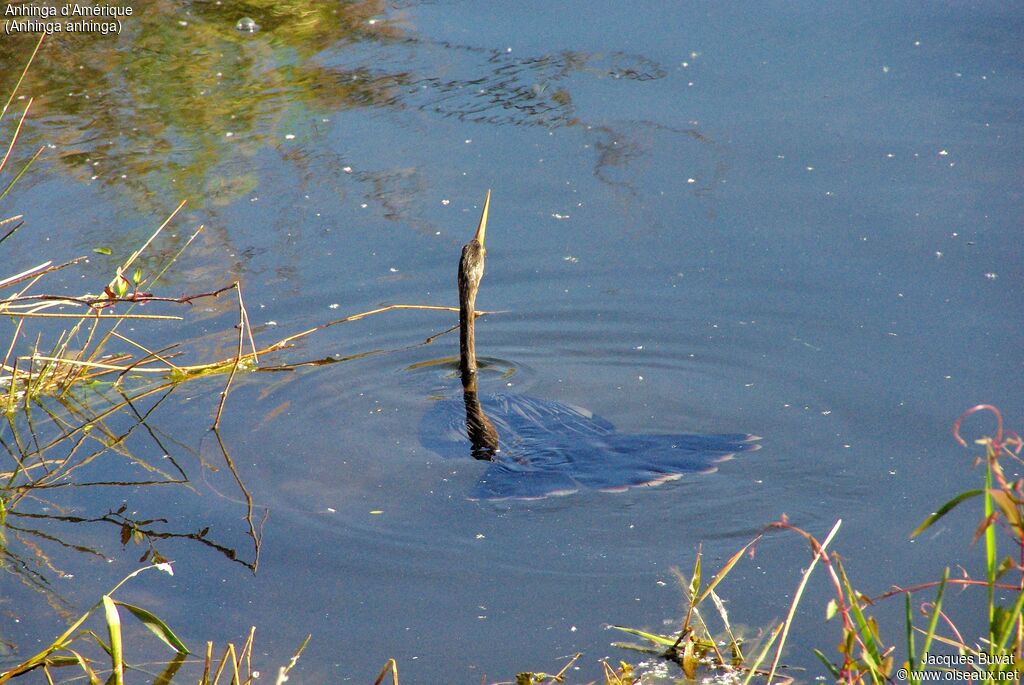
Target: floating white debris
x=289 y=136
x=333 y=305
x=364 y=205
x=569 y=258
x=991 y=275
x=347 y=169
x=691 y=180
x=229 y=134
x=943 y=153
x=885 y=70
x=446 y=202
x=393 y=270
x=560 y=216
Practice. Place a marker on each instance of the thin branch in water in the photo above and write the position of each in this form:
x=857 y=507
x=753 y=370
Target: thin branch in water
x=17 y=132
x=238 y=357
x=21 y=78
x=13 y=230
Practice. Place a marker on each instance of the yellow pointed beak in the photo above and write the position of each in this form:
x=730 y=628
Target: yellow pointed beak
x=481 y=229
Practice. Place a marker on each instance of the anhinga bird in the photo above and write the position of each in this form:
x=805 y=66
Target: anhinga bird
x=538 y=447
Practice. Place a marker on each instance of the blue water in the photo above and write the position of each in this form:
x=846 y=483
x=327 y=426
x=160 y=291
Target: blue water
x=800 y=221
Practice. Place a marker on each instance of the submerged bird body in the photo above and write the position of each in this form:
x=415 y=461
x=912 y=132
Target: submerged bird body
x=549 y=448
x=538 y=447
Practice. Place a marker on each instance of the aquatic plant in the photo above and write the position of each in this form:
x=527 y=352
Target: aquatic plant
x=864 y=655
x=67 y=650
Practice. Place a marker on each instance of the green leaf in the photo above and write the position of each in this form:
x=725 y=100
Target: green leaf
x=720 y=576
x=137 y=276
x=157 y=627
x=933 y=622
x=650 y=637
x=695 y=578
x=103 y=250
x=911 y=644
x=114 y=629
x=828 y=664
x=945 y=509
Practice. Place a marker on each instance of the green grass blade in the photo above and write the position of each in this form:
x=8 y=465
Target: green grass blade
x=1011 y=619
x=116 y=651
x=695 y=578
x=764 y=653
x=24 y=71
x=873 y=655
x=21 y=173
x=991 y=553
x=720 y=576
x=933 y=623
x=650 y=637
x=945 y=509
x=828 y=664
x=80 y=661
x=798 y=595
x=157 y=627
x=911 y=649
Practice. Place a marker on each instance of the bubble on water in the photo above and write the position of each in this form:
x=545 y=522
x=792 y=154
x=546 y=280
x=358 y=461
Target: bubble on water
x=247 y=25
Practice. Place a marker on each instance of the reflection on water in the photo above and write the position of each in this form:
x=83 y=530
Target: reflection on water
x=180 y=104
x=93 y=469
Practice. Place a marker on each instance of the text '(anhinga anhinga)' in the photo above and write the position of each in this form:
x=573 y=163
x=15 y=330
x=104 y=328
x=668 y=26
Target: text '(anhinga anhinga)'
x=538 y=448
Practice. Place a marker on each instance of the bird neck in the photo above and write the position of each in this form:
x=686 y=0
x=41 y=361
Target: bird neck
x=467 y=342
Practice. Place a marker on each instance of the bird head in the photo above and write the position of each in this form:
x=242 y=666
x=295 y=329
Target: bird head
x=471 y=265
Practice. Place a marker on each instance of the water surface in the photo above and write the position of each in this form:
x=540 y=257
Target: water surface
x=797 y=222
